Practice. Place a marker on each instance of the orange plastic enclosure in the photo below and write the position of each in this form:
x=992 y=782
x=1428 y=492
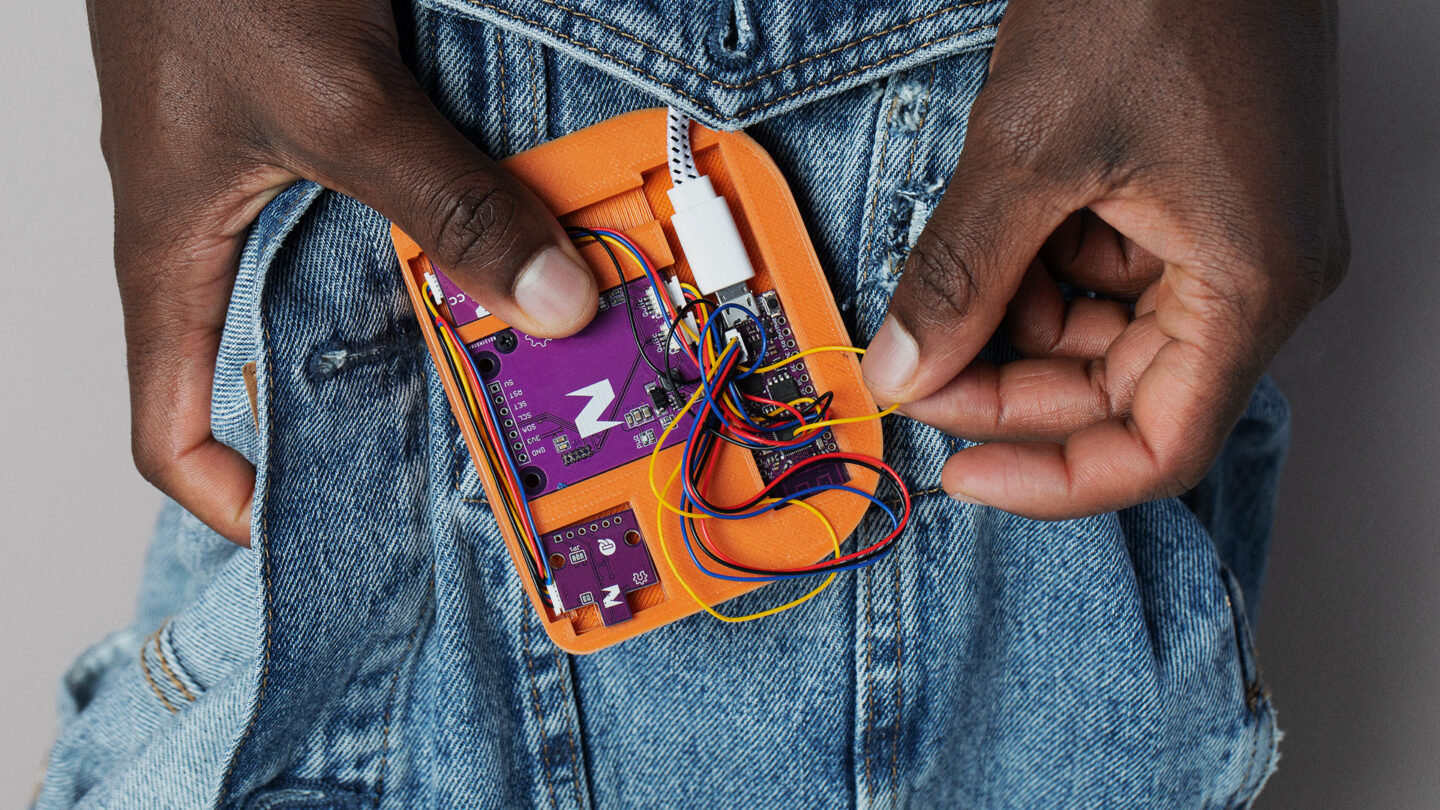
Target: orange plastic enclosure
x=615 y=175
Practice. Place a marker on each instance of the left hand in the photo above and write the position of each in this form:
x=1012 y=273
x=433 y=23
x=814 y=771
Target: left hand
x=1178 y=158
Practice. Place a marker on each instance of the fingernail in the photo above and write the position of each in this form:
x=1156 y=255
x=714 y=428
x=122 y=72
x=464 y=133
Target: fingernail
x=963 y=498
x=891 y=360
x=554 y=291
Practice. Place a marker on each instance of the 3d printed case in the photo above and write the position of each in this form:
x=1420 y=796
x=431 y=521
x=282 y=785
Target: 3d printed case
x=615 y=175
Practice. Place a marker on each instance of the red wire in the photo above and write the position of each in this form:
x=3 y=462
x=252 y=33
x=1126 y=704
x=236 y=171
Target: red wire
x=492 y=430
x=900 y=525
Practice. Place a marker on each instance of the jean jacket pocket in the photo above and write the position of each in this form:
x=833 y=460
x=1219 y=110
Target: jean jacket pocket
x=732 y=63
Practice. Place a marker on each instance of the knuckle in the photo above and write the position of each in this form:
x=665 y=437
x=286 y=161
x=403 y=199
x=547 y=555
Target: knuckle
x=942 y=275
x=153 y=464
x=471 y=227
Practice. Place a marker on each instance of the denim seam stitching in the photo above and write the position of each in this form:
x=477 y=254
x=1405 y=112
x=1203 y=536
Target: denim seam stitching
x=504 y=96
x=920 y=128
x=264 y=573
x=264 y=537
x=535 y=705
x=570 y=729
x=875 y=196
x=869 y=684
x=899 y=688
x=534 y=94
x=757 y=79
x=165 y=665
x=155 y=687
x=758 y=106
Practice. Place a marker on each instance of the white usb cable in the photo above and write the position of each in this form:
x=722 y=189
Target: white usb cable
x=705 y=226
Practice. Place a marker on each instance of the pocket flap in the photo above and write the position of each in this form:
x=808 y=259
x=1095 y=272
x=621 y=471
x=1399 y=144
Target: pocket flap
x=730 y=63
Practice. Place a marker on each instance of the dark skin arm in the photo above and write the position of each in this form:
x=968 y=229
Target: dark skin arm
x=1178 y=157
x=209 y=111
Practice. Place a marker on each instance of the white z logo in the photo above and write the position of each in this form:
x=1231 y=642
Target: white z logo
x=612 y=596
x=589 y=422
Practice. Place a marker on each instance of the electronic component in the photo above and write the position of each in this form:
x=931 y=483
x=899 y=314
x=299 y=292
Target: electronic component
x=462 y=308
x=639 y=416
x=599 y=562
x=561 y=430
x=568 y=397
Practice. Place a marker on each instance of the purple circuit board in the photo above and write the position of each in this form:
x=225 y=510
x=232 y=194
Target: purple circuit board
x=598 y=562
x=580 y=406
x=463 y=309
x=783 y=385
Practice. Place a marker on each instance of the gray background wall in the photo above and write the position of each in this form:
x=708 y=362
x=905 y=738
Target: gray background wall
x=1350 y=634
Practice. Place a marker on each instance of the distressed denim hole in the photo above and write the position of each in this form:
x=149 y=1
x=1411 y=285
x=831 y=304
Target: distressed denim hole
x=734 y=41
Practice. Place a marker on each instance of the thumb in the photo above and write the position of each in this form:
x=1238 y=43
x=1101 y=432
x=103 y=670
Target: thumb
x=489 y=233
x=963 y=270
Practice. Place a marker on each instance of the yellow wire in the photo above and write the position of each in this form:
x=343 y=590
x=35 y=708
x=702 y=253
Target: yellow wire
x=664 y=503
x=818 y=349
x=684 y=327
x=824 y=423
x=665 y=551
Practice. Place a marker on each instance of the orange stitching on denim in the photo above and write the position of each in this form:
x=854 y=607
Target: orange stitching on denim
x=875 y=198
x=570 y=727
x=920 y=127
x=701 y=104
x=155 y=687
x=861 y=69
x=571 y=40
x=756 y=79
x=535 y=697
x=165 y=665
x=504 y=96
x=899 y=688
x=534 y=95
x=869 y=682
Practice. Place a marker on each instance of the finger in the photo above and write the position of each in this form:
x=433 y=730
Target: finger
x=1088 y=253
x=392 y=149
x=1044 y=398
x=966 y=265
x=1184 y=405
x=1041 y=323
x=175 y=301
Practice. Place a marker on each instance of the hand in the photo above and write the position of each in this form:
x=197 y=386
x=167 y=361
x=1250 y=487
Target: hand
x=209 y=111
x=1173 y=154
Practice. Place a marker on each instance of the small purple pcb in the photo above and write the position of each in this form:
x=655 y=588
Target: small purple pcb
x=598 y=562
x=580 y=406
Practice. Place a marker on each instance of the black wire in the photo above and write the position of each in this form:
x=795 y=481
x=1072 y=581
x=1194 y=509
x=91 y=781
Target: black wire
x=825 y=569
x=629 y=306
x=495 y=476
x=670 y=336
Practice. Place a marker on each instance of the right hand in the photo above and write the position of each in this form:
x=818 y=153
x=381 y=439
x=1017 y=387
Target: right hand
x=211 y=110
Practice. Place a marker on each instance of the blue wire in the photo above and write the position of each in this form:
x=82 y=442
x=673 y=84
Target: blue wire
x=484 y=395
x=694 y=434
x=690 y=549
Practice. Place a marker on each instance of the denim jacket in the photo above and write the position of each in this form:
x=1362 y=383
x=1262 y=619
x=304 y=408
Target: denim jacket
x=375 y=650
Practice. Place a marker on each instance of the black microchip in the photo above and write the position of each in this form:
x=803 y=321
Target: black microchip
x=753 y=385
x=784 y=390
x=660 y=397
